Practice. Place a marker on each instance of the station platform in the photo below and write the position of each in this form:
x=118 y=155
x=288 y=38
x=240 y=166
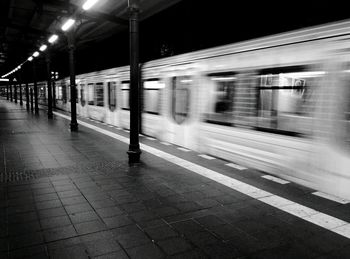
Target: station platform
x=73 y=195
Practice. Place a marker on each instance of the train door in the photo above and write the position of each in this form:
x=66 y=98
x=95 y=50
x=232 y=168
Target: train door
x=331 y=155
x=152 y=119
x=181 y=115
x=82 y=107
x=111 y=97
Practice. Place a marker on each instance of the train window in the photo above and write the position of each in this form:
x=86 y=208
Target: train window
x=284 y=100
x=82 y=97
x=91 y=94
x=152 y=96
x=64 y=93
x=221 y=104
x=125 y=95
x=112 y=101
x=42 y=90
x=68 y=92
x=76 y=95
x=181 y=98
x=99 y=94
x=59 y=93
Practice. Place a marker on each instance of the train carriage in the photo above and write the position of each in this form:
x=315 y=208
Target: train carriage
x=279 y=103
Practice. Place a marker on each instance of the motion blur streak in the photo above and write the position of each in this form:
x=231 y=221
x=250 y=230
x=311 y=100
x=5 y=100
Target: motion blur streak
x=323 y=220
x=279 y=104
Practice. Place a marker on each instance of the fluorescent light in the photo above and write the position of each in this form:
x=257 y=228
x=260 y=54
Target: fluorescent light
x=153 y=85
x=69 y=23
x=53 y=38
x=223 y=78
x=19 y=67
x=43 y=47
x=36 y=53
x=30 y=58
x=304 y=74
x=88 y=4
x=186 y=81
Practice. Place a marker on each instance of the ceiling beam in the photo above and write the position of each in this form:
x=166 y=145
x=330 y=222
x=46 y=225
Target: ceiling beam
x=25 y=28
x=103 y=17
x=95 y=15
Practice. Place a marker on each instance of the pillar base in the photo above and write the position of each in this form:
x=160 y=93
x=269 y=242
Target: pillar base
x=134 y=156
x=73 y=126
x=50 y=115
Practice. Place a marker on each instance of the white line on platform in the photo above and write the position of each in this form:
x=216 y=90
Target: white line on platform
x=239 y=167
x=333 y=224
x=275 y=179
x=149 y=138
x=331 y=197
x=111 y=126
x=165 y=143
x=207 y=157
x=183 y=149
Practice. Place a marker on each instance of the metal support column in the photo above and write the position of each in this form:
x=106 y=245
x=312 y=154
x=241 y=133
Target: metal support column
x=49 y=92
x=8 y=90
x=15 y=90
x=35 y=88
x=134 y=151
x=73 y=93
x=20 y=88
x=31 y=99
x=53 y=92
x=11 y=97
x=27 y=96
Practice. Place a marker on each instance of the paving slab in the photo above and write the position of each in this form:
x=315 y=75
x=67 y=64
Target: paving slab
x=73 y=195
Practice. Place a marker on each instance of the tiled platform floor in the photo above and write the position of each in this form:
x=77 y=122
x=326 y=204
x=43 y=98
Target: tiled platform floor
x=73 y=195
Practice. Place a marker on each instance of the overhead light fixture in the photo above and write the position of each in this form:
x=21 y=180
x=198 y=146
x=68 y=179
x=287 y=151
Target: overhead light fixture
x=30 y=58
x=43 y=47
x=69 y=23
x=53 y=38
x=224 y=78
x=88 y=4
x=36 y=53
x=19 y=67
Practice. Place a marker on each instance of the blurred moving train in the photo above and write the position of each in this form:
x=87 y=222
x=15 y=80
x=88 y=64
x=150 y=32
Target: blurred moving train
x=278 y=104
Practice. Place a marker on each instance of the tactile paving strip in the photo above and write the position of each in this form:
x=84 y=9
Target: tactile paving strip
x=100 y=167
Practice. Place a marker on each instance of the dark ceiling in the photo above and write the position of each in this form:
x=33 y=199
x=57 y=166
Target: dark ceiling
x=26 y=24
